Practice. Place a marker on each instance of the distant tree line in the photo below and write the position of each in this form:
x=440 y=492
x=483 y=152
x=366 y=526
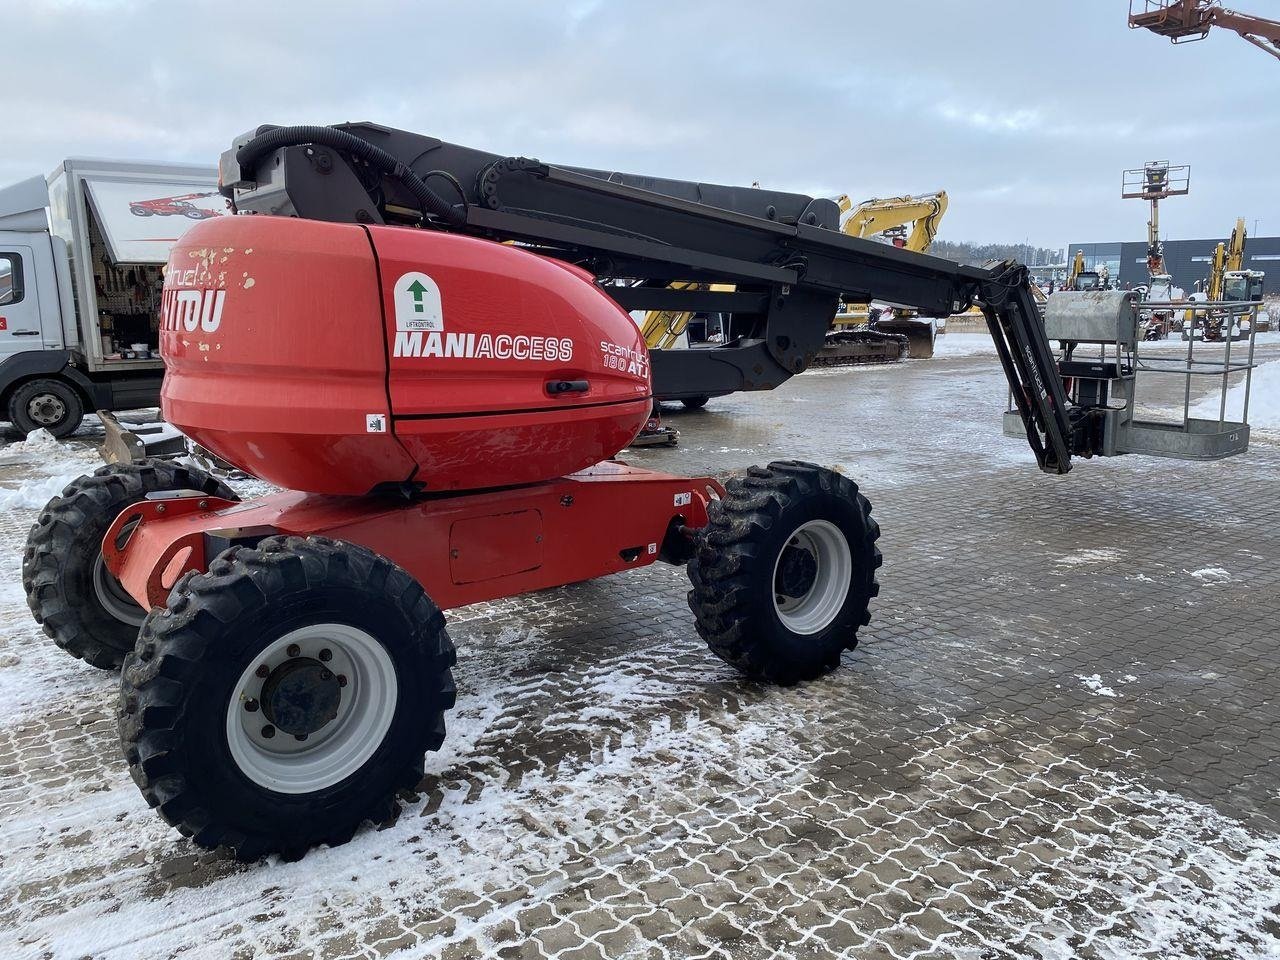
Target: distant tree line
x=976 y=254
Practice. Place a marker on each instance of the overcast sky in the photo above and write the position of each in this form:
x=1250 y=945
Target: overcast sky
x=1025 y=111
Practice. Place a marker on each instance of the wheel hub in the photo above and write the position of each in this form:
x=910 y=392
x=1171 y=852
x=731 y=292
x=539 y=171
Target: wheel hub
x=46 y=409
x=797 y=572
x=301 y=696
x=311 y=707
x=811 y=577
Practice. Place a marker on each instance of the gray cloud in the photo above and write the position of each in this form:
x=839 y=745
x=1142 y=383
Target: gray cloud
x=1026 y=112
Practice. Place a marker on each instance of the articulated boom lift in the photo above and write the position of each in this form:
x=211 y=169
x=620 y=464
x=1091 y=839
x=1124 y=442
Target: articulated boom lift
x=428 y=348
x=1185 y=21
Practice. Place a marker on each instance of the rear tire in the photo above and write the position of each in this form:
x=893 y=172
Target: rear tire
x=76 y=600
x=46 y=405
x=286 y=697
x=695 y=403
x=785 y=571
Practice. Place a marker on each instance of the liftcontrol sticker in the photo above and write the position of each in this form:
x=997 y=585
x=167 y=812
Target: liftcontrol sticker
x=418 y=305
x=375 y=423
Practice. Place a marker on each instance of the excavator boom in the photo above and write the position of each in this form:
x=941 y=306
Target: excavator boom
x=924 y=213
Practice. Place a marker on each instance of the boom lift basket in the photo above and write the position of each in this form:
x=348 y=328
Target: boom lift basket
x=1102 y=353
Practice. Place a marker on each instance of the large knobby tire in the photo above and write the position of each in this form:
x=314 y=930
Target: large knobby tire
x=52 y=405
x=286 y=696
x=77 y=601
x=784 y=573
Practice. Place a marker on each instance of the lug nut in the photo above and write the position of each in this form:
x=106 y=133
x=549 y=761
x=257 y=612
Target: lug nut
x=251 y=705
x=293 y=650
x=268 y=731
x=326 y=655
x=299 y=737
x=342 y=680
x=263 y=671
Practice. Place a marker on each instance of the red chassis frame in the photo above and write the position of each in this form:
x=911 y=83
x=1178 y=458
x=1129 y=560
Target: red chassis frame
x=462 y=548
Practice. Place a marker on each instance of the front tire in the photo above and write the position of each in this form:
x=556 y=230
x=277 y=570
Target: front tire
x=286 y=696
x=74 y=598
x=784 y=574
x=46 y=405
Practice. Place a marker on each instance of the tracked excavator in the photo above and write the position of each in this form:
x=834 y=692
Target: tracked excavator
x=427 y=349
x=866 y=333
x=1228 y=282
x=859 y=333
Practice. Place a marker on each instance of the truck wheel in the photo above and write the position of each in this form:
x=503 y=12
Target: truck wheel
x=286 y=696
x=695 y=403
x=77 y=601
x=46 y=404
x=785 y=571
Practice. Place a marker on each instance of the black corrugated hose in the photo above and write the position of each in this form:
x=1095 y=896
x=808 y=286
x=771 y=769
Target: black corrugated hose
x=431 y=202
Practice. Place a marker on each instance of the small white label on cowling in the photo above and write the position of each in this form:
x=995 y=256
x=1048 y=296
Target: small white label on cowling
x=375 y=423
x=683 y=498
x=417 y=302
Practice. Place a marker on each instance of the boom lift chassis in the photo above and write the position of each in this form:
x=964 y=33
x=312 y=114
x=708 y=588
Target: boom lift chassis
x=286 y=665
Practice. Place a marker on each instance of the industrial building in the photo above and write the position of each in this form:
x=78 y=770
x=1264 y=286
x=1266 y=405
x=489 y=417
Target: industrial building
x=1187 y=260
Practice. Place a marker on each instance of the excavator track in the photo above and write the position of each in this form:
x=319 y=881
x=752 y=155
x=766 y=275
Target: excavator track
x=848 y=347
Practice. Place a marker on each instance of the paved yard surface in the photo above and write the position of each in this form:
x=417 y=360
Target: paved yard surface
x=1057 y=739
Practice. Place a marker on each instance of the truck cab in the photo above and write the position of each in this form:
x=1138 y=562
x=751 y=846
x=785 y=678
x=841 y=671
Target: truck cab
x=81 y=254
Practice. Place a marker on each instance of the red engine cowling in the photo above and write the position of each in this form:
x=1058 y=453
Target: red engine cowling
x=332 y=358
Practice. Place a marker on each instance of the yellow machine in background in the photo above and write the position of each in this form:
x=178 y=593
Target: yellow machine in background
x=1228 y=281
x=907 y=222
x=861 y=333
x=892 y=216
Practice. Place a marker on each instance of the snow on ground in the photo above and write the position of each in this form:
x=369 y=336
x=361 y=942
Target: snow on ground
x=1094 y=683
x=1264 y=399
x=1211 y=576
x=46 y=466
x=964 y=345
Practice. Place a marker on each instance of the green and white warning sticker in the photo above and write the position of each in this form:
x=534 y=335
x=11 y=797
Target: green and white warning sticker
x=417 y=303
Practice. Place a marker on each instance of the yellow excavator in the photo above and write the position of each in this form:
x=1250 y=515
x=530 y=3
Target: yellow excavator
x=865 y=333
x=1228 y=281
x=857 y=336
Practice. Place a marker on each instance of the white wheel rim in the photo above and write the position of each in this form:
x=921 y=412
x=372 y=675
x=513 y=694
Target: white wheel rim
x=816 y=608
x=366 y=707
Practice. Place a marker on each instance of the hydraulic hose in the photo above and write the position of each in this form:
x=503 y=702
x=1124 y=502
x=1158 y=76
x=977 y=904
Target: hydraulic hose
x=431 y=202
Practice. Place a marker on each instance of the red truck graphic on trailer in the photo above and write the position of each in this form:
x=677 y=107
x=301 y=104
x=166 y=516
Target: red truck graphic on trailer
x=174 y=206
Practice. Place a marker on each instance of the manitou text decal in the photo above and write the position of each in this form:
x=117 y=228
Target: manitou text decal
x=482 y=346
x=618 y=357
x=418 y=305
x=189 y=309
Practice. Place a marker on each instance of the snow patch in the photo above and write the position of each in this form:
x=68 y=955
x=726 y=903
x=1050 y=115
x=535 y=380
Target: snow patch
x=1211 y=576
x=1084 y=558
x=1264 y=400
x=964 y=345
x=1094 y=683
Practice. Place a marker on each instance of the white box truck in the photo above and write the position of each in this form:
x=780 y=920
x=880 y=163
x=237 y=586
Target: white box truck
x=81 y=253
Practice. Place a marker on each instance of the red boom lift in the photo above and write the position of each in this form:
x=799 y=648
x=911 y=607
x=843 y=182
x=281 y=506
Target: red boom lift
x=439 y=381
x=1185 y=21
